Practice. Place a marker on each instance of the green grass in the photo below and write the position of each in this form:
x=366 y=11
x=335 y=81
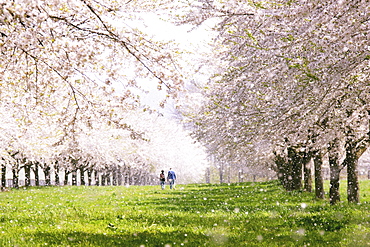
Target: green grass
x=246 y=214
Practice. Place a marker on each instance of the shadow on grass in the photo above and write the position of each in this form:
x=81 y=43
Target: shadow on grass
x=245 y=214
x=243 y=198
x=117 y=239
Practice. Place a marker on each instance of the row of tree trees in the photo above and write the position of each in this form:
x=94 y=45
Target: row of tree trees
x=70 y=91
x=292 y=85
x=73 y=172
x=156 y=143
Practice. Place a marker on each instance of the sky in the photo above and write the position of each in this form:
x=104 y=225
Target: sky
x=188 y=38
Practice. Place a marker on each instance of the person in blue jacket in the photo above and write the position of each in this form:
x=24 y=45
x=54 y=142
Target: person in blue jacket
x=171 y=177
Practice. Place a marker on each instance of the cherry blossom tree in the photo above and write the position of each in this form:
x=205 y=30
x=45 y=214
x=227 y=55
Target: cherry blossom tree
x=294 y=70
x=61 y=64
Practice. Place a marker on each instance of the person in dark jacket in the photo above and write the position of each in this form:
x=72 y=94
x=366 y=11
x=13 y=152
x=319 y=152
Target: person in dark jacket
x=171 y=177
x=162 y=179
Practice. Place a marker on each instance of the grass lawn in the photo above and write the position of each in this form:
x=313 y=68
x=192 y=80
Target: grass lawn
x=246 y=214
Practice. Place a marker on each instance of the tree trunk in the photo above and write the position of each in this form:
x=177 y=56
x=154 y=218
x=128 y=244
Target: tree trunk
x=82 y=176
x=307 y=178
x=282 y=170
x=319 y=180
x=297 y=176
x=15 y=172
x=334 y=173
x=126 y=178
x=208 y=175
x=114 y=176
x=140 y=177
x=56 y=175
x=284 y=176
x=334 y=184
x=103 y=178
x=108 y=178
x=307 y=172
x=240 y=175
x=119 y=174
x=295 y=163
x=74 y=178
x=89 y=176
x=221 y=171
x=27 y=175
x=353 y=188
x=66 y=174
x=3 y=175
x=47 y=175
x=96 y=176
x=129 y=176
x=36 y=172
x=144 y=180
x=354 y=149
x=353 y=154
x=228 y=169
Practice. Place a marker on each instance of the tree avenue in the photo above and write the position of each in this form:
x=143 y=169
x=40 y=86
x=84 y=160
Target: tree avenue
x=61 y=112
x=295 y=88
x=290 y=86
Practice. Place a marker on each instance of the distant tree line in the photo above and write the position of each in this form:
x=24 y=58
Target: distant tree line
x=71 y=171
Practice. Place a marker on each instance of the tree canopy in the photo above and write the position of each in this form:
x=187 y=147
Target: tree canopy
x=292 y=68
x=61 y=64
x=291 y=83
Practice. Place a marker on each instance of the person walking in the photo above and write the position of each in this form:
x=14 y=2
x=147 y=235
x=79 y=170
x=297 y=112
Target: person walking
x=171 y=177
x=162 y=179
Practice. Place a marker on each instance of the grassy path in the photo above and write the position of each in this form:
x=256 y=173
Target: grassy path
x=247 y=214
